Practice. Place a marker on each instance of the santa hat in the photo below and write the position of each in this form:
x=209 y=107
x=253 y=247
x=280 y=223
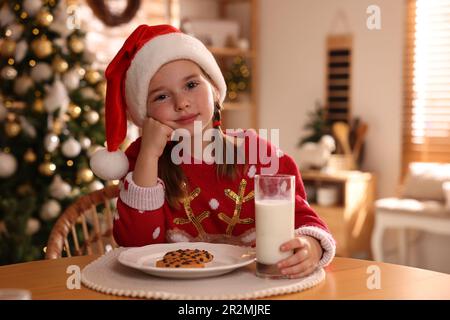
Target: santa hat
x=128 y=77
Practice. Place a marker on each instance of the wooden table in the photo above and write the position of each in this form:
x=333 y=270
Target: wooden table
x=346 y=279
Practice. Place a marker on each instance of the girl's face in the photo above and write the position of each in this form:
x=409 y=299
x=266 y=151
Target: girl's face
x=179 y=94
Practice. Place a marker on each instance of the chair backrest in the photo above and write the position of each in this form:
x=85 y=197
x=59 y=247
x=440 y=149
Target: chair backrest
x=85 y=227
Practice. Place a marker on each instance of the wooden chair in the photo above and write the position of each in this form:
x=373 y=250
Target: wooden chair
x=89 y=222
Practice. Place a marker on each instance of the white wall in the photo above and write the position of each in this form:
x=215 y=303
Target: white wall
x=292 y=62
x=292 y=46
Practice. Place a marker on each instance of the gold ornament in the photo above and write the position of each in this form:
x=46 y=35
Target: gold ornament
x=57 y=127
x=239 y=199
x=92 y=117
x=29 y=156
x=101 y=88
x=42 y=47
x=74 y=110
x=7 y=48
x=85 y=175
x=44 y=18
x=60 y=65
x=76 y=45
x=196 y=220
x=12 y=129
x=47 y=168
x=92 y=76
x=38 y=105
x=24 y=189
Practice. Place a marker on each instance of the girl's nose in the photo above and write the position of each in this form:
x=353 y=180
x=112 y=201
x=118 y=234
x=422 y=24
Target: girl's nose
x=182 y=104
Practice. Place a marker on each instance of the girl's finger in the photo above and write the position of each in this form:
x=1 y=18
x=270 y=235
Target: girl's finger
x=305 y=273
x=297 y=269
x=296 y=243
x=296 y=258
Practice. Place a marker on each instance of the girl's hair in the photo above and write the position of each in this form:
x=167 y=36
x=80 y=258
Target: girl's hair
x=176 y=186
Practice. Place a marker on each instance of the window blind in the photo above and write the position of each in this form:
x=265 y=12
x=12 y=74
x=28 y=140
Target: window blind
x=426 y=127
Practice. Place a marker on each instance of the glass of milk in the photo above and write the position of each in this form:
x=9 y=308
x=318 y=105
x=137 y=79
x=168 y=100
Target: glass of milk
x=274 y=219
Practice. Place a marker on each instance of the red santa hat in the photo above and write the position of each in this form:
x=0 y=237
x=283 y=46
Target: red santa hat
x=128 y=77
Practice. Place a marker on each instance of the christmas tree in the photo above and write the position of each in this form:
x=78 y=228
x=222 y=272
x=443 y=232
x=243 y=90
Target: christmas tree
x=237 y=78
x=51 y=101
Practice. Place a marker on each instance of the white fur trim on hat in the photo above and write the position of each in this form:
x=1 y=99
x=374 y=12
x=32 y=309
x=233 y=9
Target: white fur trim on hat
x=109 y=165
x=154 y=54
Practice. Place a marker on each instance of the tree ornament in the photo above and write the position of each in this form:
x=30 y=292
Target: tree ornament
x=50 y=210
x=42 y=47
x=101 y=88
x=21 y=51
x=6 y=16
x=27 y=127
x=85 y=143
x=47 y=168
x=56 y=98
x=38 y=105
x=25 y=189
x=92 y=76
x=89 y=93
x=33 y=226
x=8 y=73
x=85 y=175
x=8 y=47
x=12 y=129
x=95 y=185
x=29 y=156
x=41 y=72
x=74 y=110
x=44 y=18
x=3 y=111
x=32 y=7
x=93 y=149
x=59 y=189
x=60 y=65
x=76 y=44
x=22 y=84
x=51 y=142
x=8 y=165
x=15 y=31
x=71 y=148
x=92 y=117
x=71 y=79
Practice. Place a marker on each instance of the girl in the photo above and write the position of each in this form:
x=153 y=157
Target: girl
x=168 y=81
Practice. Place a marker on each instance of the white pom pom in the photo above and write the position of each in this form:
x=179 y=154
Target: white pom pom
x=109 y=165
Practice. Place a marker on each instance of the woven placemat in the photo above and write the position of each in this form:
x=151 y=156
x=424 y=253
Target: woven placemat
x=108 y=276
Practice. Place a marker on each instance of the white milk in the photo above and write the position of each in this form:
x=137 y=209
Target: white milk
x=274 y=226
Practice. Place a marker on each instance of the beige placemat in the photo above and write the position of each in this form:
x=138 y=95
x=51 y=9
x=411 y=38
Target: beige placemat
x=108 y=276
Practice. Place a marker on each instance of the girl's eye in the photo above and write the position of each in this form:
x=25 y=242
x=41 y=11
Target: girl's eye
x=160 y=97
x=192 y=84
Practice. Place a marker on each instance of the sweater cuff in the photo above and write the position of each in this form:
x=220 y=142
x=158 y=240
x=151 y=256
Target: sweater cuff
x=141 y=198
x=326 y=241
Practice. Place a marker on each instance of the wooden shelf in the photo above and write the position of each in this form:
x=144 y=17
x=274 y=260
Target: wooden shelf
x=236 y=105
x=246 y=14
x=231 y=52
x=351 y=219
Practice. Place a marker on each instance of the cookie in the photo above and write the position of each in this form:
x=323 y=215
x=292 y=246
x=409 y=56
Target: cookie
x=179 y=264
x=185 y=258
x=201 y=256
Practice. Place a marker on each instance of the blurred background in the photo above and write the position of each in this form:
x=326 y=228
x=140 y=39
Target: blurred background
x=360 y=91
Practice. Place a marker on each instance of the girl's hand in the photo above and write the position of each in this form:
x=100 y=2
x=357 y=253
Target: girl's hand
x=306 y=257
x=154 y=137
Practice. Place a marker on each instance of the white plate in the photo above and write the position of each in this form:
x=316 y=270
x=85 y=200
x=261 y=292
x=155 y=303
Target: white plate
x=226 y=259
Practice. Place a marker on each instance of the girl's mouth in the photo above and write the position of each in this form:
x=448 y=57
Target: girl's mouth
x=187 y=119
